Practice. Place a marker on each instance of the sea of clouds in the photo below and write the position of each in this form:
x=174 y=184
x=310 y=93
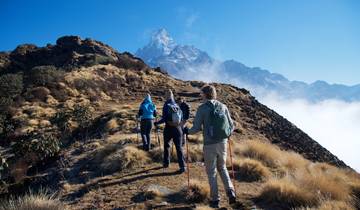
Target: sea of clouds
x=334 y=124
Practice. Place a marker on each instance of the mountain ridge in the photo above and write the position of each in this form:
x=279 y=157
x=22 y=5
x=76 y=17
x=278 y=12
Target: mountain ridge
x=257 y=80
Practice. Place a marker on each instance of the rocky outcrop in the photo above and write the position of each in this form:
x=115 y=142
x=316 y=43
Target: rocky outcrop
x=70 y=52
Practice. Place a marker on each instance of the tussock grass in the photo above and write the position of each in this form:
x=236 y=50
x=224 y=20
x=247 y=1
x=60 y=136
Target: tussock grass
x=264 y=152
x=335 y=205
x=115 y=157
x=195 y=153
x=328 y=186
x=251 y=170
x=40 y=201
x=198 y=191
x=112 y=125
x=153 y=194
x=285 y=192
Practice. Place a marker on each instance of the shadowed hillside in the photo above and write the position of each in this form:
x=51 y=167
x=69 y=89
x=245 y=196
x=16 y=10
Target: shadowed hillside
x=68 y=124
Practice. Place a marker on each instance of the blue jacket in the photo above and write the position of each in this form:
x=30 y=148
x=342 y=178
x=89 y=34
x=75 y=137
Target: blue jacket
x=147 y=109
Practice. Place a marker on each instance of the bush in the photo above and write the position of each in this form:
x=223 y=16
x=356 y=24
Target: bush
x=43 y=145
x=95 y=59
x=11 y=85
x=82 y=115
x=44 y=75
x=7 y=125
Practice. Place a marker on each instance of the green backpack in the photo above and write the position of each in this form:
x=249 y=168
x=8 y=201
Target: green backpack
x=220 y=127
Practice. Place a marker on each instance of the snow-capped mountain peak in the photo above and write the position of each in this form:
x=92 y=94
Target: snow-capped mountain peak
x=162 y=40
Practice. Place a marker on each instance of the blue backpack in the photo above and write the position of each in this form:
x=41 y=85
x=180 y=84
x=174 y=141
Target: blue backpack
x=175 y=115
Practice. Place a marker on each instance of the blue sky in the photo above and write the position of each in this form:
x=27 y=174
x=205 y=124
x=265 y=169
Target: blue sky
x=304 y=40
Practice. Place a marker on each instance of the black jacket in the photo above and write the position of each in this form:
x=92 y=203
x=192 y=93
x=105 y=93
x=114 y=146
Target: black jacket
x=185 y=108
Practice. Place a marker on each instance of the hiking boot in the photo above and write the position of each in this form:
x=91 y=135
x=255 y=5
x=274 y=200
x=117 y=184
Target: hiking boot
x=231 y=196
x=232 y=200
x=181 y=170
x=214 y=204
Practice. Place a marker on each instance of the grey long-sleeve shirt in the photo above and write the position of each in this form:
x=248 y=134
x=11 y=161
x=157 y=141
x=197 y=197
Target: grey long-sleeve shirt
x=202 y=122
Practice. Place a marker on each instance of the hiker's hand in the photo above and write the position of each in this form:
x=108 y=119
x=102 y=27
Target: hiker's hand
x=186 y=130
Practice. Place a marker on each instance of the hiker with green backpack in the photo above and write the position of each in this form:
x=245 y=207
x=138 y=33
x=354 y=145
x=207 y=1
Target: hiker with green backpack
x=172 y=117
x=214 y=119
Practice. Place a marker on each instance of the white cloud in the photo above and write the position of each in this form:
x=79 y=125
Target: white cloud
x=332 y=123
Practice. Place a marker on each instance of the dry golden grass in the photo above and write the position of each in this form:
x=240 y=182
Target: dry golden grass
x=111 y=125
x=264 y=152
x=157 y=154
x=335 y=205
x=124 y=158
x=285 y=192
x=198 y=191
x=251 y=170
x=196 y=139
x=324 y=185
x=203 y=208
x=33 y=202
x=153 y=194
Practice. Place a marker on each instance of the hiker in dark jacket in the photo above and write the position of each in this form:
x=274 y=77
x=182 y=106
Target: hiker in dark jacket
x=214 y=147
x=185 y=108
x=171 y=131
x=147 y=113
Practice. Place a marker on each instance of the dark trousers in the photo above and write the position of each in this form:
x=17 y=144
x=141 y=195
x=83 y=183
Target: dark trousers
x=175 y=134
x=145 y=127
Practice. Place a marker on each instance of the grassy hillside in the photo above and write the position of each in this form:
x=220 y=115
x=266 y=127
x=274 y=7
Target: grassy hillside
x=68 y=125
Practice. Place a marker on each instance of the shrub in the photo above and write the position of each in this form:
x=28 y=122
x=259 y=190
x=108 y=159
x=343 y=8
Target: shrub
x=41 y=201
x=43 y=145
x=197 y=192
x=40 y=93
x=251 y=170
x=44 y=75
x=82 y=115
x=11 y=85
x=95 y=59
x=7 y=124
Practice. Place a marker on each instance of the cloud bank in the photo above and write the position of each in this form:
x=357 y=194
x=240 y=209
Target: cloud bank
x=332 y=123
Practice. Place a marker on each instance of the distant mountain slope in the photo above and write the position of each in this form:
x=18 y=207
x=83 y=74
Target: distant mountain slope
x=188 y=62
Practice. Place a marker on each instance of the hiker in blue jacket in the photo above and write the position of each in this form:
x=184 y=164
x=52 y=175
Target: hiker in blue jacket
x=147 y=113
x=172 y=117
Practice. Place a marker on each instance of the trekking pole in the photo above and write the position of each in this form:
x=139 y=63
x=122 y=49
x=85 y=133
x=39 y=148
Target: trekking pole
x=137 y=130
x=187 y=160
x=232 y=165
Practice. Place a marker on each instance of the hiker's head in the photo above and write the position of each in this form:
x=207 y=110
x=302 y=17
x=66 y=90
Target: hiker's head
x=147 y=98
x=209 y=92
x=169 y=95
x=181 y=99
